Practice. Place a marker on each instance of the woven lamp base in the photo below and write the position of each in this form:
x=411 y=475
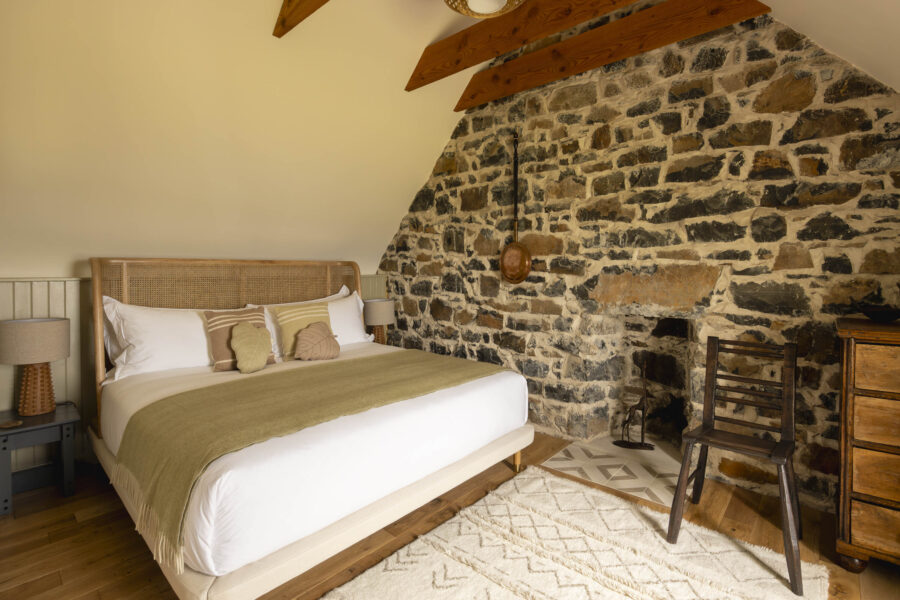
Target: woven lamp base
x=36 y=395
x=380 y=332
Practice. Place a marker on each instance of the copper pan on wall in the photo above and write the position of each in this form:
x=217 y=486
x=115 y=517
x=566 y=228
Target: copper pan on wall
x=515 y=260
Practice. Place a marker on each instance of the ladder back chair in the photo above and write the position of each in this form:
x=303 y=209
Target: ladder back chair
x=772 y=396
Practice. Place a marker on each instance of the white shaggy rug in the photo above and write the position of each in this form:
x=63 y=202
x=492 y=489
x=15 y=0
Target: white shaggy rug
x=539 y=536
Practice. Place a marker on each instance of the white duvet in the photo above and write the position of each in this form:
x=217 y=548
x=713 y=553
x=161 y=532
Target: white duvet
x=250 y=503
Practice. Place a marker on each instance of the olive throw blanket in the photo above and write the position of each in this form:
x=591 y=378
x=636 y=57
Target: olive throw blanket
x=168 y=444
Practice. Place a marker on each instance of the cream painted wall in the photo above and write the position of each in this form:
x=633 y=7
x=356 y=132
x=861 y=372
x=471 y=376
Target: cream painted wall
x=174 y=128
x=862 y=32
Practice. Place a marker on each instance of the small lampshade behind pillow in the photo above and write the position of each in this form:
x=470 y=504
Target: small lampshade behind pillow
x=380 y=312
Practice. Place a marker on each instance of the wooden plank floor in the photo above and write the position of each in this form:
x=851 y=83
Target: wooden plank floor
x=85 y=546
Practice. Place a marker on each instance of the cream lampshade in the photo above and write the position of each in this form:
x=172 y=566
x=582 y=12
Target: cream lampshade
x=378 y=314
x=34 y=343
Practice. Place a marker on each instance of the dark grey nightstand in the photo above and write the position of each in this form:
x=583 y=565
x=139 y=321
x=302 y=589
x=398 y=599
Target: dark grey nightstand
x=58 y=426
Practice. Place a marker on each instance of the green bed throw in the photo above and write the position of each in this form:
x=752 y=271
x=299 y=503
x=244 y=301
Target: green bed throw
x=167 y=445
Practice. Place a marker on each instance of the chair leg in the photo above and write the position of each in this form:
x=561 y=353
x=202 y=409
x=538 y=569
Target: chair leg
x=789 y=531
x=680 y=490
x=701 y=474
x=795 y=498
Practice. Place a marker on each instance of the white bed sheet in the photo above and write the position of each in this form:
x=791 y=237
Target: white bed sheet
x=250 y=503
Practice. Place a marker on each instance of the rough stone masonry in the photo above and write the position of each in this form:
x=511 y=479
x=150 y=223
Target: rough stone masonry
x=743 y=184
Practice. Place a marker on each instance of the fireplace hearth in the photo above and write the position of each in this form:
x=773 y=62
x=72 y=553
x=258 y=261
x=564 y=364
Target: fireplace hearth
x=658 y=351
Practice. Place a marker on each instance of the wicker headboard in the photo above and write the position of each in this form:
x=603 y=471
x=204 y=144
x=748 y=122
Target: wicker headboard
x=209 y=283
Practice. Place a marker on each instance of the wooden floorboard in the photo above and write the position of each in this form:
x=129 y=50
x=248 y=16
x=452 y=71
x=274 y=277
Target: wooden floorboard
x=85 y=546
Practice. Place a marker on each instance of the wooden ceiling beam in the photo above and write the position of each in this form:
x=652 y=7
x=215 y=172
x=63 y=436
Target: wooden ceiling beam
x=534 y=20
x=293 y=12
x=655 y=27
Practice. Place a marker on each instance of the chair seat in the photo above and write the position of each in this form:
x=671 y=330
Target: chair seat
x=776 y=452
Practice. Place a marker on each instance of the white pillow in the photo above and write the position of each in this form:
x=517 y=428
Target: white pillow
x=110 y=341
x=272 y=322
x=156 y=339
x=346 y=317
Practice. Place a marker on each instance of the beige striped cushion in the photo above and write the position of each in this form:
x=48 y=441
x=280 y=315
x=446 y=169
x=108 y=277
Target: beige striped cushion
x=292 y=318
x=219 y=324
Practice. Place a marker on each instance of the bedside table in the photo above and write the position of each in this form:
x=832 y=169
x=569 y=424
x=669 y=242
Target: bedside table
x=58 y=426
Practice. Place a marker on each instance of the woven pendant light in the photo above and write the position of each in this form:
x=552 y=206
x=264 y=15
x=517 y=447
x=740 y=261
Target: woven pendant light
x=483 y=9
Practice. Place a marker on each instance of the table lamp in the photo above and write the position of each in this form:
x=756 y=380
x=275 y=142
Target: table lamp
x=378 y=313
x=34 y=343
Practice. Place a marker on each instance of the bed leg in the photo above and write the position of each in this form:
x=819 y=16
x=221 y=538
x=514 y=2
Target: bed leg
x=517 y=461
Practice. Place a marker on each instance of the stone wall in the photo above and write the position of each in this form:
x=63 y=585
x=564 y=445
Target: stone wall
x=742 y=184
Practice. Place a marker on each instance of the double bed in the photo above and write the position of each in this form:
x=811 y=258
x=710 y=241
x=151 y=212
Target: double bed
x=262 y=515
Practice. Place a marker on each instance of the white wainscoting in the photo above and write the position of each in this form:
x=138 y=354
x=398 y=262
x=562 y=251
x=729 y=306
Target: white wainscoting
x=373 y=286
x=40 y=298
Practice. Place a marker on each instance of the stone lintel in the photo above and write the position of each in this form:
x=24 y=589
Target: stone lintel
x=678 y=287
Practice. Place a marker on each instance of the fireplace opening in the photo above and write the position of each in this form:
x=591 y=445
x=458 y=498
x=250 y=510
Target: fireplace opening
x=660 y=348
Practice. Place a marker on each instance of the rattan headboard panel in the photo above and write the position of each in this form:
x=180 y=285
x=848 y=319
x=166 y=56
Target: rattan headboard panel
x=210 y=283
x=215 y=284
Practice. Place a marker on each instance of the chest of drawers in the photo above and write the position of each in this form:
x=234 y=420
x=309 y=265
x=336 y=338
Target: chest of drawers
x=869 y=503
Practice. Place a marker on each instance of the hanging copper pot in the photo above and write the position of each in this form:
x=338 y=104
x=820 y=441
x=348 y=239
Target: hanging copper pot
x=515 y=260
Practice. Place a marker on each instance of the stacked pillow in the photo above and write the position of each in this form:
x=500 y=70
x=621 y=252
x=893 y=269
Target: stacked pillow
x=272 y=324
x=344 y=316
x=291 y=318
x=139 y=339
x=220 y=325
x=154 y=339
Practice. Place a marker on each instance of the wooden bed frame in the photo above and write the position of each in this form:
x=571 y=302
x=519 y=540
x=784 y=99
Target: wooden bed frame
x=223 y=284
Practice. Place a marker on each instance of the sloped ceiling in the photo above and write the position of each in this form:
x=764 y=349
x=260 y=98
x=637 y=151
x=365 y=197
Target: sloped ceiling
x=862 y=32
x=176 y=128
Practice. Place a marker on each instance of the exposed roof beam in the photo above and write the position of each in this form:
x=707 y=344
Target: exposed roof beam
x=293 y=12
x=534 y=20
x=658 y=26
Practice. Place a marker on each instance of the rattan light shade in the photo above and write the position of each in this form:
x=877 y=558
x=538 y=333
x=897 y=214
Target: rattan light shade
x=483 y=9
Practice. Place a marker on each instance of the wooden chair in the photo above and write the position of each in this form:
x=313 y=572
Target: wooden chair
x=759 y=393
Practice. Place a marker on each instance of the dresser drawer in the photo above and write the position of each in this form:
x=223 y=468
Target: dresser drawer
x=876 y=474
x=875 y=527
x=877 y=367
x=876 y=420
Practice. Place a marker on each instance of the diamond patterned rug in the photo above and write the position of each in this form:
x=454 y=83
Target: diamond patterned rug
x=647 y=474
x=539 y=536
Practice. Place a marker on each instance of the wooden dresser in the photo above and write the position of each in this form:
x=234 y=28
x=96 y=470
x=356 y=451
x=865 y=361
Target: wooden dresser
x=869 y=508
